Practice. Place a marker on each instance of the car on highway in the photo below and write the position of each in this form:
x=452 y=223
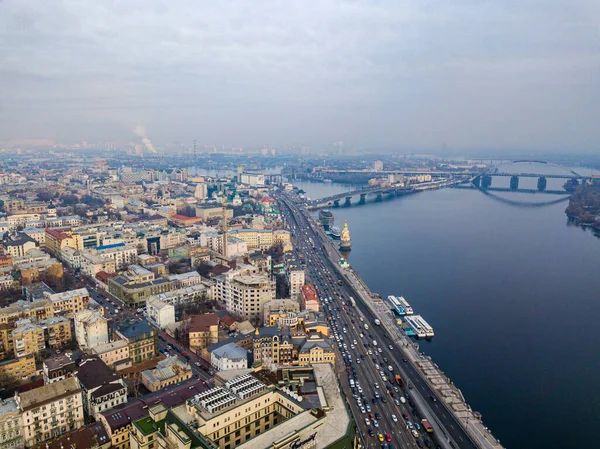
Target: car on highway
x=371 y=431
x=376 y=384
x=388 y=437
x=415 y=433
x=405 y=416
x=362 y=410
x=390 y=347
x=433 y=398
x=380 y=437
x=402 y=399
x=410 y=425
x=394 y=418
x=368 y=408
x=367 y=422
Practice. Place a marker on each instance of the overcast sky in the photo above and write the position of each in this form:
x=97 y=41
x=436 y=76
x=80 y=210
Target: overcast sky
x=514 y=74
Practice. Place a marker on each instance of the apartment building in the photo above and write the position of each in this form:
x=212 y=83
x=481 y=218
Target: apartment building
x=141 y=339
x=70 y=302
x=51 y=410
x=102 y=388
x=244 y=293
x=11 y=425
x=58 y=238
x=34 y=336
x=14 y=370
x=136 y=285
x=297 y=279
x=115 y=354
x=119 y=421
x=160 y=313
x=164 y=429
x=91 y=329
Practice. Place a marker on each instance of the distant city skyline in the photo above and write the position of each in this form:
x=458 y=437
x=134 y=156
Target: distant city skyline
x=421 y=76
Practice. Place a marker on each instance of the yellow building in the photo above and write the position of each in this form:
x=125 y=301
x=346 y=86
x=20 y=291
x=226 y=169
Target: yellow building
x=203 y=331
x=14 y=370
x=140 y=337
x=33 y=337
x=57 y=239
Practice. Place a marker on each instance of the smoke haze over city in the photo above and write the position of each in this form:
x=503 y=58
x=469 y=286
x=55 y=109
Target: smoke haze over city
x=387 y=75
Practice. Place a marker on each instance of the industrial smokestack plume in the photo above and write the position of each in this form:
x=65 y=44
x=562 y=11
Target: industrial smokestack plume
x=141 y=131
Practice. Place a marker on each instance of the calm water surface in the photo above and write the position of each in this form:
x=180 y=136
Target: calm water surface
x=513 y=294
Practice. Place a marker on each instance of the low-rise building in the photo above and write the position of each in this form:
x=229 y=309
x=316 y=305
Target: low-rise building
x=229 y=357
x=308 y=298
x=169 y=371
x=51 y=410
x=58 y=368
x=102 y=388
x=91 y=329
x=203 y=331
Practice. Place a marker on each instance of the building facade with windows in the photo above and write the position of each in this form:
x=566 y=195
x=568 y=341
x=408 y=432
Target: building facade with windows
x=51 y=411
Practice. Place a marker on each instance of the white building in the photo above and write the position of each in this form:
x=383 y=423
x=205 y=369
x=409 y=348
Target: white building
x=91 y=329
x=229 y=357
x=185 y=279
x=159 y=312
x=71 y=256
x=201 y=191
x=182 y=295
x=253 y=179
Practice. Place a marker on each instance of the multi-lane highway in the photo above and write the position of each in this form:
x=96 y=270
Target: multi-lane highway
x=347 y=323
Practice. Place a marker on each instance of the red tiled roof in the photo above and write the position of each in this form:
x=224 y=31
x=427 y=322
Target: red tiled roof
x=202 y=323
x=309 y=293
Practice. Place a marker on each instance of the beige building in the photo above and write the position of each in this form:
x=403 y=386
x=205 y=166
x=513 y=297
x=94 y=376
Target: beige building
x=14 y=370
x=240 y=410
x=70 y=302
x=169 y=371
x=210 y=212
x=11 y=425
x=297 y=280
x=51 y=410
x=244 y=293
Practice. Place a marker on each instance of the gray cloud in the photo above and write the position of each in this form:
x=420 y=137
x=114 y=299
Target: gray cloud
x=387 y=74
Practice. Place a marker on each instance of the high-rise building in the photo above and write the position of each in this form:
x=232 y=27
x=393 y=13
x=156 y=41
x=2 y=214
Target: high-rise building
x=201 y=192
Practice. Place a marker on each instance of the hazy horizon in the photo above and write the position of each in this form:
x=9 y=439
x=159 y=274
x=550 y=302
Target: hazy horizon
x=424 y=76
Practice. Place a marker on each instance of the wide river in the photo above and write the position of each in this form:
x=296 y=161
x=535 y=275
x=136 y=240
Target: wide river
x=513 y=295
